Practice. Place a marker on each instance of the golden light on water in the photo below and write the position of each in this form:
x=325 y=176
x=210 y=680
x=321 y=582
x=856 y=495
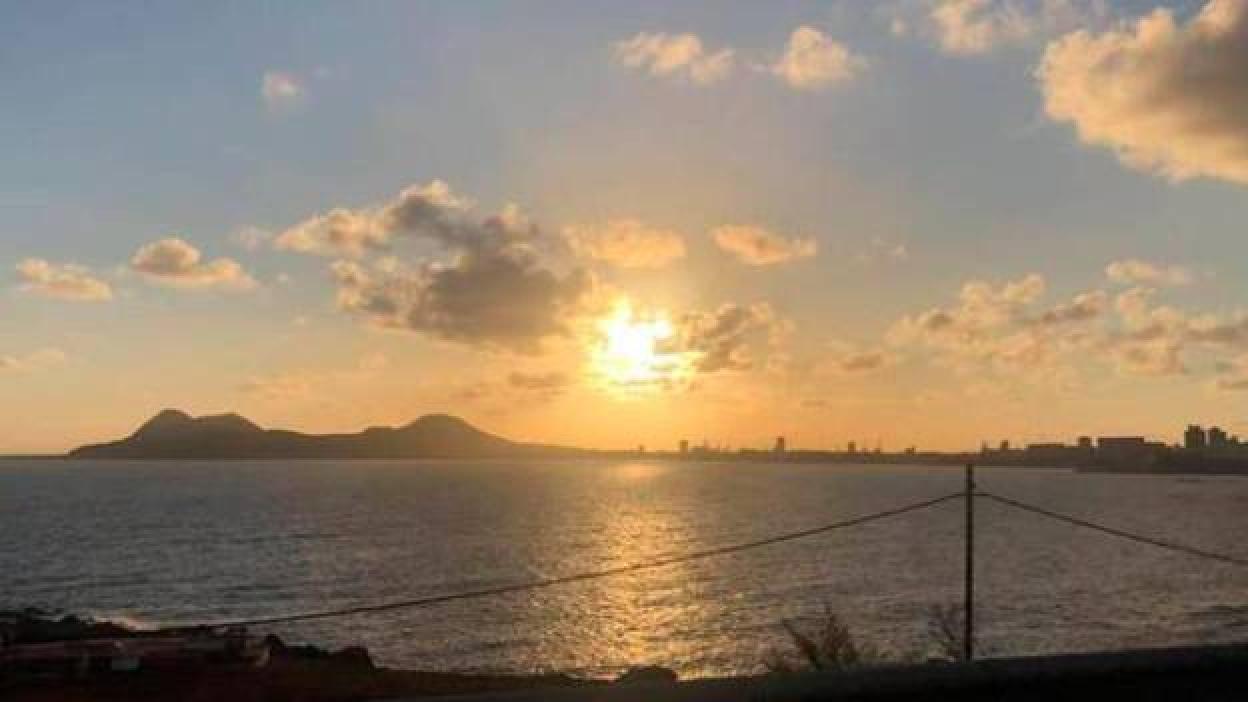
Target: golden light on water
x=632 y=352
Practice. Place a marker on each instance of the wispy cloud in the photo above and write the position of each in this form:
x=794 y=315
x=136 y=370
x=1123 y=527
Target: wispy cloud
x=1133 y=271
x=757 y=246
x=978 y=27
x=42 y=359
x=680 y=56
x=627 y=243
x=174 y=262
x=63 y=281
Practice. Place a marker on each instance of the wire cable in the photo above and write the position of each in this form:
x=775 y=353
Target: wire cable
x=580 y=577
x=1160 y=543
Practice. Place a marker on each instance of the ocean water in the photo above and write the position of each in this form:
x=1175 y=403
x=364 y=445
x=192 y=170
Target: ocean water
x=182 y=542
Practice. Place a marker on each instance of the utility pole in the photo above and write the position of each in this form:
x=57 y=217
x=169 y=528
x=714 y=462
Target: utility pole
x=968 y=604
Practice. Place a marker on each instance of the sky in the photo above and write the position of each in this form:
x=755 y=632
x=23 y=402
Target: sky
x=903 y=223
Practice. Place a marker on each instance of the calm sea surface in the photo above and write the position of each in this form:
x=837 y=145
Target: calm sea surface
x=180 y=542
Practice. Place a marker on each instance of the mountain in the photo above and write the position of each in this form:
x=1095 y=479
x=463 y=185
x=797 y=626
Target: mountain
x=173 y=434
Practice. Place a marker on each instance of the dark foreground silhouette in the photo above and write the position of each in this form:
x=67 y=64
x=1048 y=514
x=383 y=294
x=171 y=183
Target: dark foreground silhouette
x=309 y=674
x=44 y=658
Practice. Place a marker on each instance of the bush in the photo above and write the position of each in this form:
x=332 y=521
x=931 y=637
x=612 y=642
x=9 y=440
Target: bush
x=945 y=631
x=828 y=646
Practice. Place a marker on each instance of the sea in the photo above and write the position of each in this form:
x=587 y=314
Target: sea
x=168 y=543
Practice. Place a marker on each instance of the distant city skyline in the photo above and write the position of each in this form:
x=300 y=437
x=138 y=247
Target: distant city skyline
x=912 y=223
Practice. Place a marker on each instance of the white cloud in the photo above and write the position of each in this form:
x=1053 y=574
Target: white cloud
x=977 y=27
x=64 y=281
x=431 y=211
x=997 y=327
x=1157 y=339
x=1133 y=271
x=172 y=261
x=757 y=246
x=674 y=56
x=1167 y=97
x=280 y=88
x=1002 y=333
x=982 y=309
x=627 y=243
x=813 y=61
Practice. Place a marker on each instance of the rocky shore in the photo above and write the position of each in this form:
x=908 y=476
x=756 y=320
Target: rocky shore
x=287 y=673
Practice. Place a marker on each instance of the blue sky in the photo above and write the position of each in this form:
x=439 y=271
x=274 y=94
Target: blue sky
x=930 y=165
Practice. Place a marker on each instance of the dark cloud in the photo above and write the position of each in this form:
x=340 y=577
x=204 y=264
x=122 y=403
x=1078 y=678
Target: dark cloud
x=862 y=361
x=723 y=339
x=495 y=297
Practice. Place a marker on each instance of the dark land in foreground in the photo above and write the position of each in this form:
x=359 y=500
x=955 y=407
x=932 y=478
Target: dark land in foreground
x=46 y=658
x=175 y=435
x=100 y=665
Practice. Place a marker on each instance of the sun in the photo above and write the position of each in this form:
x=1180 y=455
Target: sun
x=632 y=353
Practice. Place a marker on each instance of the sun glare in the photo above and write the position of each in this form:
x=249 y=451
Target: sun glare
x=630 y=351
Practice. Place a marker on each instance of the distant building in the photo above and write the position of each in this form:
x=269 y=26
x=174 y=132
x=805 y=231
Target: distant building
x=684 y=446
x=780 y=445
x=852 y=448
x=1085 y=443
x=1217 y=438
x=1194 y=439
x=1005 y=445
x=1125 y=451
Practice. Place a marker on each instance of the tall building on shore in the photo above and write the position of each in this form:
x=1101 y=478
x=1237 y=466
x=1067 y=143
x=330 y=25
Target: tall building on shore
x=780 y=446
x=1217 y=438
x=1194 y=439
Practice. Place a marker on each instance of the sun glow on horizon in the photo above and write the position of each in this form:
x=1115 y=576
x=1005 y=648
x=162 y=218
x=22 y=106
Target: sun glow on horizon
x=634 y=353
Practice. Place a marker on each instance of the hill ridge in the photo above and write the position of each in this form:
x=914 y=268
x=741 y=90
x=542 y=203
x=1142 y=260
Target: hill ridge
x=174 y=434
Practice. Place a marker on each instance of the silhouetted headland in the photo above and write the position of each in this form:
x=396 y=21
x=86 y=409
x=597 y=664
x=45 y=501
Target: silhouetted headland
x=173 y=434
